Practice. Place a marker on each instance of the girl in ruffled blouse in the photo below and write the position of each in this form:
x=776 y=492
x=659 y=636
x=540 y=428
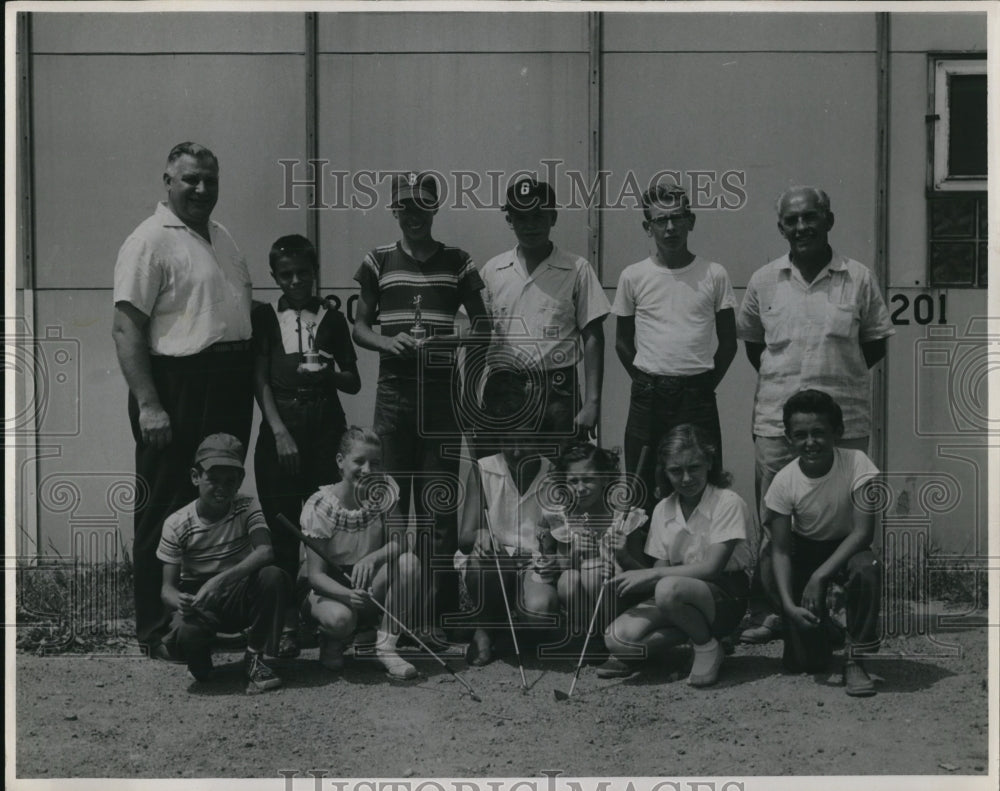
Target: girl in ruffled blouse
x=352 y=518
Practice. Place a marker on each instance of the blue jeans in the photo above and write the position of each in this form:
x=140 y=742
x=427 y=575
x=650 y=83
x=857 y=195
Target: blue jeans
x=421 y=447
x=659 y=404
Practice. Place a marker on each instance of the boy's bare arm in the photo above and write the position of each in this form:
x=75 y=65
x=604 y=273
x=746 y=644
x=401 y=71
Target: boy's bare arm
x=261 y=555
x=625 y=342
x=725 y=331
x=170 y=594
x=593 y=372
x=858 y=540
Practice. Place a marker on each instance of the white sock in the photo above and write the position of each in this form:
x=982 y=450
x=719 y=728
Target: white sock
x=704 y=656
x=386 y=641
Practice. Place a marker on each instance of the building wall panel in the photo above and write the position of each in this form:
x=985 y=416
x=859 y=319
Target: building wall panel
x=103 y=127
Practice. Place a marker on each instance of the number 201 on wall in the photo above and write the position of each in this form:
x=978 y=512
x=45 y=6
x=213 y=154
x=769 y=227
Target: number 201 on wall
x=922 y=306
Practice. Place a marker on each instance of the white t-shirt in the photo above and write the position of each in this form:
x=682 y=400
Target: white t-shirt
x=674 y=313
x=822 y=509
x=720 y=516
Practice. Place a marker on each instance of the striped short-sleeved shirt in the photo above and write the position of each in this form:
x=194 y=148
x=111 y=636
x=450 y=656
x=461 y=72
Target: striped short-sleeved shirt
x=444 y=281
x=203 y=549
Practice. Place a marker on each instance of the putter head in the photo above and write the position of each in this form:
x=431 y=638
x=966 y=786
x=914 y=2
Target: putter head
x=475 y=697
x=560 y=695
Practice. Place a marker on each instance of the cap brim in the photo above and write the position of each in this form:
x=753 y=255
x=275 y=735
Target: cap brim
x=422 y=196
x=220 y=461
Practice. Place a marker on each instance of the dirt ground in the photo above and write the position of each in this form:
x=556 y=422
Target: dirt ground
x=92 y=716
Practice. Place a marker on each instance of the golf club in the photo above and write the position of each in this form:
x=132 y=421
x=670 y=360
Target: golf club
x=506 y=602
x=337 y=573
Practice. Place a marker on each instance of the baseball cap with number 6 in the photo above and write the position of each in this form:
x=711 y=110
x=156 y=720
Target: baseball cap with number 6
x=528 y=194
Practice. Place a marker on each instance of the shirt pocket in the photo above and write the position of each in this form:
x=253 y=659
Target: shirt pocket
x=840 y=321
x=777 y=322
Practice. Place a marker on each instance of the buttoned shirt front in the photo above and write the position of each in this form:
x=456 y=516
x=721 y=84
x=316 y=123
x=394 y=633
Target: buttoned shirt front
x=721 y=515
x=538 y=317
x=195 y=292
x=812 y=334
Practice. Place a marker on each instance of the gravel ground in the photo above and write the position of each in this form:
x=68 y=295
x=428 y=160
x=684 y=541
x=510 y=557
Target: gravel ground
x=119 y=716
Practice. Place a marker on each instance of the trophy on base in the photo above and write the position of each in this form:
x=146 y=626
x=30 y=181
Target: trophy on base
x=418 y=331
x=312 y=360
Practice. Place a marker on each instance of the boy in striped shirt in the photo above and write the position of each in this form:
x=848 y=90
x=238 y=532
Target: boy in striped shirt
x=419 y=281
x=218 y=572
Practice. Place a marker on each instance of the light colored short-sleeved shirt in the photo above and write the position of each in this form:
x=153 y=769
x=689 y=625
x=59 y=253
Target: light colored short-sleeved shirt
x=812 y=334
x=350 y=534
x=547 y=308
x=720 y=516
x=203 y=549
x=821 y=508
x=674 y=310
x=513 y=516
x=194 y=293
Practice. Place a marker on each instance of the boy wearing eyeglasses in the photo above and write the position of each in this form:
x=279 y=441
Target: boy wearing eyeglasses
x=676 y=332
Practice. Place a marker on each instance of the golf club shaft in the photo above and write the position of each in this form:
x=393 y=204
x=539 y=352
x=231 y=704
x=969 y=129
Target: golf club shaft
x=503 y=591
x=586 y=639
x=339 y=576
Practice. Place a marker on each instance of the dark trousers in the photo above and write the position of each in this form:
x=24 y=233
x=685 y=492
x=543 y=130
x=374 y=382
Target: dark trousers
x=659 y=404
x=544 y=401
x=317 y=426
x=203 y=394
x=810 y=649
x=257 y=602
x=421 y=445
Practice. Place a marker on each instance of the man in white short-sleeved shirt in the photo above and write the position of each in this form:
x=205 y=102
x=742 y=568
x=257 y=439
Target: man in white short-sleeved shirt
x=548 y=309
x=676 y=333
x=812 y=318
x=181 y=329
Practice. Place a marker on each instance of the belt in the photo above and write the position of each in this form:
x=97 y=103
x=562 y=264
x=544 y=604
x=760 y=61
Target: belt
x=228 y=346
x=705 y=377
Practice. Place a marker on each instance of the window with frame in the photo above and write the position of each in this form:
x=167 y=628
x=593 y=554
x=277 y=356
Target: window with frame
x=957 y=172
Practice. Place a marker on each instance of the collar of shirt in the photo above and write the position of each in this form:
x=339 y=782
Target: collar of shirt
x=673 y=513
x=838 y=263
x=171 y=220
x=313 y=304
x=503 y=471
x=553 y=261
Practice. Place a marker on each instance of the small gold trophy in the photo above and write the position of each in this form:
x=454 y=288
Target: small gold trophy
x=312 y=361
x=418 y=331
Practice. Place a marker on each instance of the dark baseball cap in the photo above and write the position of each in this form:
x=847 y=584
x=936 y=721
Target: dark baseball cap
x=220 y=450
x=419 y=187
x=527 y=194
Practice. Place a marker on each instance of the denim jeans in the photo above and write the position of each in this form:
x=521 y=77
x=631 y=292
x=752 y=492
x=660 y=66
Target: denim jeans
x=421 y=445
x=659 y=404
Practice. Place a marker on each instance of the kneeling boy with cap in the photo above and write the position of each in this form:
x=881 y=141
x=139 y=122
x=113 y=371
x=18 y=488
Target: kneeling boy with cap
x=218 y=573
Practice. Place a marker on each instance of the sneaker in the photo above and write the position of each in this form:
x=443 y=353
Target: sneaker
x=259 y=677
x=857 y=682
x=614 y=667
x=288 y=646
x=707 y=663
x=199 y=665
x=771 y=629
x=331 y=653
x=395 y=666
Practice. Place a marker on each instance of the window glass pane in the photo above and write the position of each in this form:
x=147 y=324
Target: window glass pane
x=967 y=125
